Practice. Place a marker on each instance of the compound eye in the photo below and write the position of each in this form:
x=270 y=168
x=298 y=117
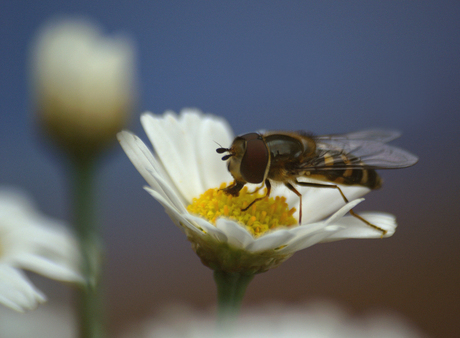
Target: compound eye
x=255 y=160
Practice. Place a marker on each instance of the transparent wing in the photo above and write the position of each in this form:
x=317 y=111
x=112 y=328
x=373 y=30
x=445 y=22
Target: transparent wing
x=377 y=135
x=360 y=150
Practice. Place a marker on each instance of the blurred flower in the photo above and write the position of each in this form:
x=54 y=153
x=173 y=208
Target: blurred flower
x=83 y=84
x=185 y=174
x=50 y=321
x=316 y=320
x=31 y=241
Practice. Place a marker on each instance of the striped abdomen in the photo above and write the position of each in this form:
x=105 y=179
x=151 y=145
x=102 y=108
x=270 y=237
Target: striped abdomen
x=365 y=177
x=352 y=176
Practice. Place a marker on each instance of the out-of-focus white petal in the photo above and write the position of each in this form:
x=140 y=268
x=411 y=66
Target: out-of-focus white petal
x=29 y=240
x=315 y=320
x=46 y=267
x=50 y=321
x=16 y=291
x=45 y=247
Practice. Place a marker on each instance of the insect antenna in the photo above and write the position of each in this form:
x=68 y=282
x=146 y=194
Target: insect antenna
x=222 y=150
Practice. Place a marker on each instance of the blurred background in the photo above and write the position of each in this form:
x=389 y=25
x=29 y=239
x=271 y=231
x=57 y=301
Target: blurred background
x=324 y=67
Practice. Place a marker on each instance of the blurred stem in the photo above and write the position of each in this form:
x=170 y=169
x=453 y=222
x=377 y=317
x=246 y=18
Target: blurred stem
x=89 y=296
x=231 y=287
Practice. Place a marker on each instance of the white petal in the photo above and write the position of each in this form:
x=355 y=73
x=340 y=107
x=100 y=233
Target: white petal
x=195 y=224
x=169 y=193
x=355 y=228
x=214 y=132
x=45 y=238
x=144 y=161
x=210 y=229
x=15 y=203
x=16 y=291
x=237 y=235
x=308 y=234
x=306 y=229
x=174 y=141
x=318 y=203
x=343 y=210
x=271 y=240
x=313 y=234
x=172 y=212
x=36 y=242
x=177 y=220
x=47 y=267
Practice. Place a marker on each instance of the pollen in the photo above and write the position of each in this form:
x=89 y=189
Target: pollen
x=262 y=216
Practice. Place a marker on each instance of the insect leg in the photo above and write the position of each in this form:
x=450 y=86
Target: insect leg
x=269 y=188
x=234 y=188
x=319 y=185
x=257 y=189
x=294 y=190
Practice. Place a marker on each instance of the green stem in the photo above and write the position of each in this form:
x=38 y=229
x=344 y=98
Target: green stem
x=89 y=296
x=231 y=287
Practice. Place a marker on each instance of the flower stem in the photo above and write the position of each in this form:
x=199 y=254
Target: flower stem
x=89 y=296
x=231 y=287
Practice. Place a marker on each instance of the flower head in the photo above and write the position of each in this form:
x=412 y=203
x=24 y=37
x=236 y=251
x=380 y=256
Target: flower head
x=31 y=241
x=185 y=175
x=83 y=84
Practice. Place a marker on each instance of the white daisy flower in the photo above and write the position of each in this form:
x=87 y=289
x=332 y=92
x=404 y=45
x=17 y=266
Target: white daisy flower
x=185 y=175
x=31 y=241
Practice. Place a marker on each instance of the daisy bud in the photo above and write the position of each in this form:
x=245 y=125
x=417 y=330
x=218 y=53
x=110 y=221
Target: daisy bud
x=83 y=85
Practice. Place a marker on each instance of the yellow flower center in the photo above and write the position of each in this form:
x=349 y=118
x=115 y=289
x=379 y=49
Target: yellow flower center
x=262 y=216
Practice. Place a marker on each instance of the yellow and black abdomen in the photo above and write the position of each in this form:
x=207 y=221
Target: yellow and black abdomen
x=337 y=171
x=365 y=177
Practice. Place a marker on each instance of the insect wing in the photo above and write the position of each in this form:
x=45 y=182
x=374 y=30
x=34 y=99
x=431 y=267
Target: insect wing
x=362 y=150
x=377 y=135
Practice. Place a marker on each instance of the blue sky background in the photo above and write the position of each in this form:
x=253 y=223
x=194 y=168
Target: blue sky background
x=324 y=67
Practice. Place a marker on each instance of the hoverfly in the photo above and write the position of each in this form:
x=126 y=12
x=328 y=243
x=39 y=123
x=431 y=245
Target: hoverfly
x=348 y=159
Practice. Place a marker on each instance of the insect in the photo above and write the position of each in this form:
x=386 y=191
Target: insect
x=284 y=157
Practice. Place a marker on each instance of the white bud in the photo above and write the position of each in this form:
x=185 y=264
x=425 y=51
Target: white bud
x=83 y=84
